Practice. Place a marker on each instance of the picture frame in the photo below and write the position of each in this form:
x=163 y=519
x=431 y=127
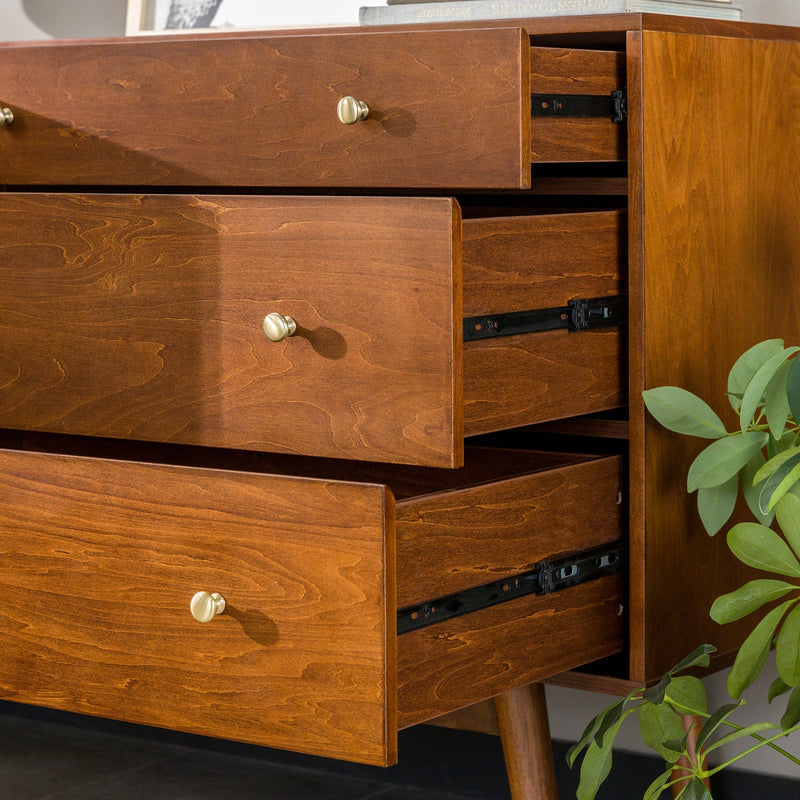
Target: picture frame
x=176 y=16
x=184 y=16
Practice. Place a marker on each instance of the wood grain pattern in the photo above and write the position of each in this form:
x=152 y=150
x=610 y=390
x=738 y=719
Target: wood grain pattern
x=527 y=749
x=542 y=260
x=479 y=717
x=573 y=71
x=448 y=109
x=519 y=263
x=141 y=317
x=521 y=380
x=449 y=542
x=459 y=662
x=100 y=559
x=719 y=198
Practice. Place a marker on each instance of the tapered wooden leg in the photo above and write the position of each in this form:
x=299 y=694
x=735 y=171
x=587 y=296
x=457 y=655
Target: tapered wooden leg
x=693 y=725
x=525 y=734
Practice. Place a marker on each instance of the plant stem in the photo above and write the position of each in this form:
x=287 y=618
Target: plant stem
x=762 y=743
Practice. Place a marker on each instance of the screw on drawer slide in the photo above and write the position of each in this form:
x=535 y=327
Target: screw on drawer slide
x=578 y=315
x=613 y=106
x=545 y=578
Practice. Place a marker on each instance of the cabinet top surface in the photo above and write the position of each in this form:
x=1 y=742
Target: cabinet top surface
x=601 y=30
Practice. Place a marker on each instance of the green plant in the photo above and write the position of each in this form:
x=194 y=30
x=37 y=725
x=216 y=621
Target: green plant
x=762 y=457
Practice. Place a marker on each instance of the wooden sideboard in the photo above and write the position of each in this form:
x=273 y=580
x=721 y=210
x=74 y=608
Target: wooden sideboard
x=244 y=344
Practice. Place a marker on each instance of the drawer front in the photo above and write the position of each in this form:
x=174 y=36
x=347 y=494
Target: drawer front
x=99 y=561
x=141 y=317
x=446 y=109
x=565 y=73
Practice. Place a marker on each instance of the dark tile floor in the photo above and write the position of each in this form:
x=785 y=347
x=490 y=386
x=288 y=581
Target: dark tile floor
x=50 y=756
x=47 y=755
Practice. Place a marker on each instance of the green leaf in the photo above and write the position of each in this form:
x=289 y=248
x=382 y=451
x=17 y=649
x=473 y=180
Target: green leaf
x=654 y=790
x=696 y=790
x=754 y=393
x=746 y=367
x=610 y=717
x=596 y=764
x=749 y=730
x=678 y=745
x=715 y=504
x=723 y=459
x=779 y=483
x=683 y=412
x=688 y=694
x=777 y=688
x=586 y=737
x=791 y=716
x=747 y=599
x=786 y=442
x=787 y=649
x=660 y=724
x=793 y=389
x=753 y=653
x=699 y=657
x=655 y=694
x=714 y=721
x=776 y=401
x=787 y=511
x=599 y=725
x=751 y=492
x=762 y=548
x=769 y=467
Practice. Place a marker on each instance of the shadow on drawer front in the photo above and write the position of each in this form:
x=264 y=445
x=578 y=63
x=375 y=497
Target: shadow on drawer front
x=171 y=595
x=445 y=109
x=325 y=326
x=428 y=109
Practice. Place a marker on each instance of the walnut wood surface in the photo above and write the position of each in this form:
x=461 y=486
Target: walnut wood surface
x=100 y=559
x=542 y=261
x=141 y=317
x=466 y=659
x=447 y=109
x=527 y=749
x=479 y=717
x=572 y=71
x=449 y=542
x=717 y=196
x=520 y=380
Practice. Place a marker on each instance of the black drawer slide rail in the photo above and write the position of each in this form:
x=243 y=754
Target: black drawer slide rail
x=545 y=578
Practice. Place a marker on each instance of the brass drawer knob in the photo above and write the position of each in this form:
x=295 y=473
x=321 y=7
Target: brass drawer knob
x=277 y=327
x=206 y=605
x=351 y=110
x=6 y=116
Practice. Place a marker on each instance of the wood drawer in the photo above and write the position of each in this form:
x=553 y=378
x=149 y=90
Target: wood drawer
x=99 y=560
x=448 y=109
x=141 y=317
x=567 y=74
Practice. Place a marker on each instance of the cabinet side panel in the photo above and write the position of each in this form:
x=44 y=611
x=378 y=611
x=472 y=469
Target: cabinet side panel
x=721 y=165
